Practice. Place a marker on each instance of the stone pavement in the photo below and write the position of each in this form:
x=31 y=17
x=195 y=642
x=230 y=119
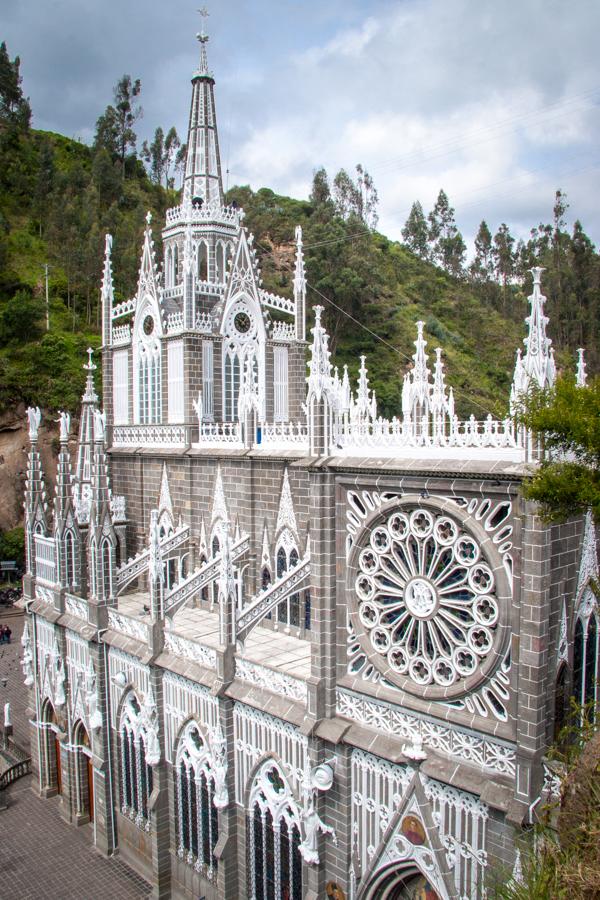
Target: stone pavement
x=40 y=855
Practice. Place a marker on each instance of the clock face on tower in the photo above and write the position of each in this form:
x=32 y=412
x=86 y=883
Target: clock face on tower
x=242 y=323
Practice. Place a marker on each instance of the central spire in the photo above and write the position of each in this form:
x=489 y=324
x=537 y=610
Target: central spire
x=202 y=181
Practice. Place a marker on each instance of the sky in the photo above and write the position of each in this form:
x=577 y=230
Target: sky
x=498 y=103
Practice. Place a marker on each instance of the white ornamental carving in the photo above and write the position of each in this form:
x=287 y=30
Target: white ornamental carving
x=149 y=717
x=426 y=600
x=27 y=659
x=218 y=751
x=316 y=779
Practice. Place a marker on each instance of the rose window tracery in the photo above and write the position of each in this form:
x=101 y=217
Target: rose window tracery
x=426 y=601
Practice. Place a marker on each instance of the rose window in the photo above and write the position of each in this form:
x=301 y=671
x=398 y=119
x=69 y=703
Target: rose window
x=427 y=601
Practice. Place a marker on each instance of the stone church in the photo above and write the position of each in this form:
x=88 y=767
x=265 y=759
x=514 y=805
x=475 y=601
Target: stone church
x=278 y=647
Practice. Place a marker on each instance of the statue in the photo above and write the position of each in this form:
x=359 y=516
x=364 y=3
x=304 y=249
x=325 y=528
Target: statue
x=415 y=750
x=65 y=424
x=197 y=404
x=59 y=680
x=7 y=722
x=218 y=748
x=150 y=722
x=318 y=778
x=35 y=417
x=91 y=700
x=99 y=425
x=27 y=661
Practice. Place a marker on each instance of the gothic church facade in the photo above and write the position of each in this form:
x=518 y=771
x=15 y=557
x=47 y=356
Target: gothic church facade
x=276 y=645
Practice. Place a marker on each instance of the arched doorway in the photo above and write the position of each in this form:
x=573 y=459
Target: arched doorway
x=52 y=760
x=401 y=882
x=85 y=773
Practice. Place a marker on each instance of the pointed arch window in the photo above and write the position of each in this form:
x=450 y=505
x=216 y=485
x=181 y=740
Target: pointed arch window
x=273 y=842
x=231 y=386
x=175 y=265
x=197 y=817
x=149 y=383
x=220 y=261
x=203 y=261
x=70 y=558
x=293 y=612
x=106 y=559
x=136 y=775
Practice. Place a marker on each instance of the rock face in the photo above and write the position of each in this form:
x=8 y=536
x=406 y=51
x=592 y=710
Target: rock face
x=14 y=443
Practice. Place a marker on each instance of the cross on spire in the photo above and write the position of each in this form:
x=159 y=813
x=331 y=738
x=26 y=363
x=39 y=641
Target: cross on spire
x=90 y=366
x=202 y=35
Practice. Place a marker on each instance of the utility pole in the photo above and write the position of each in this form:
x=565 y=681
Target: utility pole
x=46 y=268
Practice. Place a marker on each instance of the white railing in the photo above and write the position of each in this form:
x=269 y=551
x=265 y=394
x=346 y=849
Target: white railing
x=283 y=436
x=276 y=302
x=127 y=625
x=172 y=293
x=271 y=680
x=208 y=212
x=220 y=434
x=45 y=559
x=284 y=331
x=174 y=322
x=149 y=436
x=209 y=287
x=126 y=308
x=121 y=334
x=199 y=653
x=487 y=439
x=203 y=322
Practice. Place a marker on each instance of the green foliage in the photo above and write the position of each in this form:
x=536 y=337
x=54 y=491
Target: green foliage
x=567 y=420
x=15 y=111
x=20 y=318
x=12 y=545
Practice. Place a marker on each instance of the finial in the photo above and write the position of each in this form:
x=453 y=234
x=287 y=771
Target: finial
x=148 y=218
x=318 y=312
x=107 y=244
x=90 y=366
x=581 y=373
x=536 y=271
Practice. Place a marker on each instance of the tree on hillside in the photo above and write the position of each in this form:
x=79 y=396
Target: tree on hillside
x=15 y=111
x=114 y=128
x=161 y=154
x=447 y=246
x=44 y=184
x=355 y=199
x=482 y=266
x=415 y=232
x=504 y=260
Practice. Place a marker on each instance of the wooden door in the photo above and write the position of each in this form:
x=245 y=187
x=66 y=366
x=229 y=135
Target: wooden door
x=58 y=765
x=90 y=782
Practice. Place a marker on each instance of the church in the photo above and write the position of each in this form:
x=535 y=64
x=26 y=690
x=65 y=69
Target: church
x=278 y=647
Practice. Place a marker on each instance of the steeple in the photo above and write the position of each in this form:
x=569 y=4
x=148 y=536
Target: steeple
x=202 y=179
x=85 y=445
x=300 y=288
x=537 y=366
x=107 y=293
x=36 y=518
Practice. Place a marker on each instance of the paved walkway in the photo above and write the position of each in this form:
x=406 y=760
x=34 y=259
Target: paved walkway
x=40 y=855
x=43 y=857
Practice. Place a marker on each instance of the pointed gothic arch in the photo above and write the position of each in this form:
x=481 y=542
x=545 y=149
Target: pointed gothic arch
x=197 y=823
x=147 y=362
x=84 y=772
x=273 y=835
x=202 y=261
x=136 y=776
